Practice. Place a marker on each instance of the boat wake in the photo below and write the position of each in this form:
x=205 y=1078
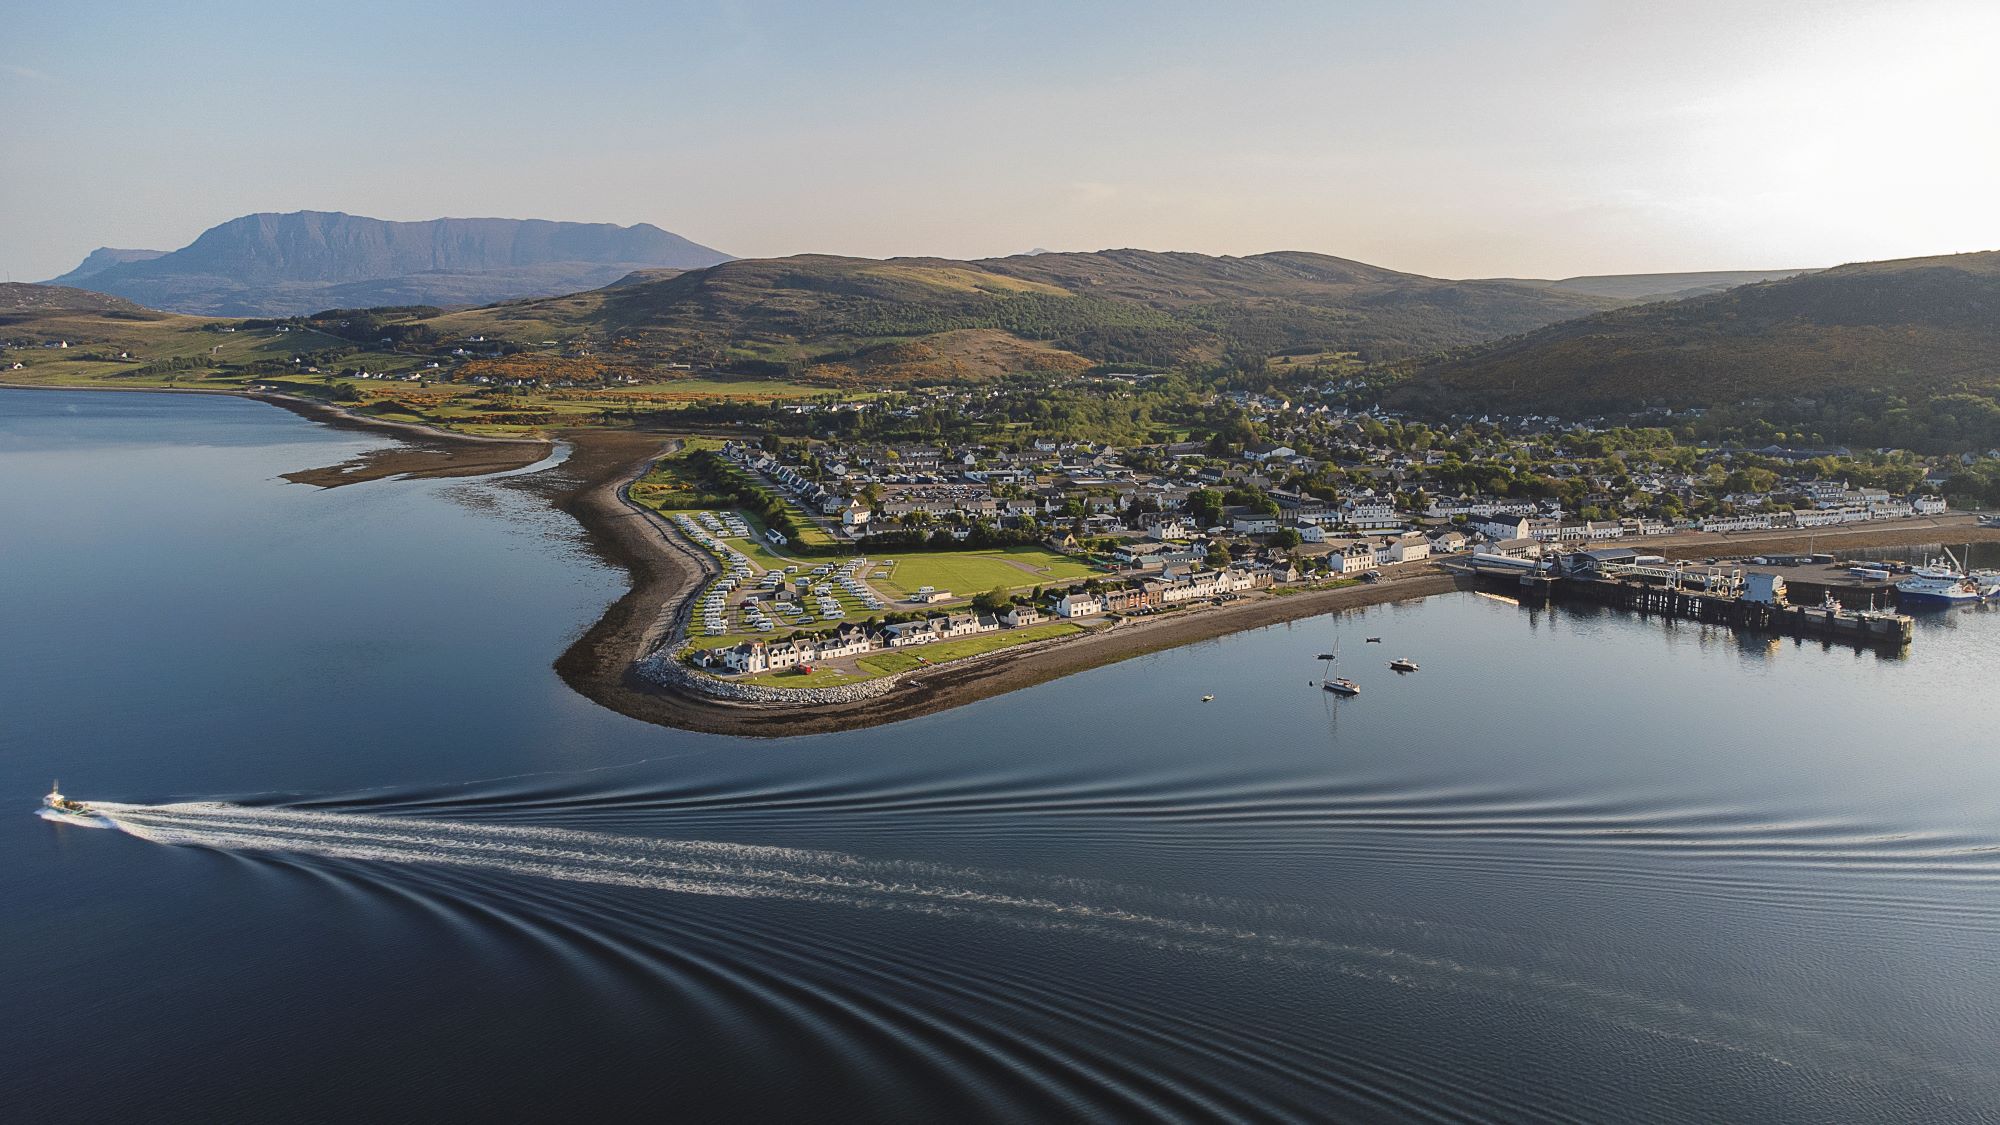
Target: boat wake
x=1378 y=950
x=680 y=866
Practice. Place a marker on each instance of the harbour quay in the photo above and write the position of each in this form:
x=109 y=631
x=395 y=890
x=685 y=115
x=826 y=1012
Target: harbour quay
x=1715 y=594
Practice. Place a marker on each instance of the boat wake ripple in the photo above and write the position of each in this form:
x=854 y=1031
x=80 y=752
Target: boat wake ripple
x=1378 y=951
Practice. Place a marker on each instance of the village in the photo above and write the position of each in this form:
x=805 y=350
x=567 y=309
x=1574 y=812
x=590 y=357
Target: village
x=1143 y=531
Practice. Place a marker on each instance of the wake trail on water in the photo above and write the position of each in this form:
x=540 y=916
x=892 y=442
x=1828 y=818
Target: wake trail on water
x=1235 y=931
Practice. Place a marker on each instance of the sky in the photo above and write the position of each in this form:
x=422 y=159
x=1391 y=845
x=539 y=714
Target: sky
x=1482 y=139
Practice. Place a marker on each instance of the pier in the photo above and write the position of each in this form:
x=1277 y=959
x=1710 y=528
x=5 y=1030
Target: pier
x=1740 y=611
x=1712 y=595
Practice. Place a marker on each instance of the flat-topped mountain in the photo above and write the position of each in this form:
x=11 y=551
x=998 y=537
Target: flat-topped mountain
x=101 y=259
x=273 y=264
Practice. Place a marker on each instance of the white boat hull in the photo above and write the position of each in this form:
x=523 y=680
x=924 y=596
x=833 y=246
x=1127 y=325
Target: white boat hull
x=81 y=820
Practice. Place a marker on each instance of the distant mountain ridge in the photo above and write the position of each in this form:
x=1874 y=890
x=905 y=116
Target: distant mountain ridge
x=283 y=264
x=1656 y=286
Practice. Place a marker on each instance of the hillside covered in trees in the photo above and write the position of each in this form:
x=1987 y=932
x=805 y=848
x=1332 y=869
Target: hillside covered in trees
x=1903 y=353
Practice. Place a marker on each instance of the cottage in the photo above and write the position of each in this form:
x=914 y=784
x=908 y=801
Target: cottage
x=1447 y=541
x=1079 y=604
x=1019 y=616
x=1406 y=548
x=903 y=634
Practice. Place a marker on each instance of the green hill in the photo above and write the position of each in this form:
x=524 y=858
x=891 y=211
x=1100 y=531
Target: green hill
x=1907 y=352
x=837 y=318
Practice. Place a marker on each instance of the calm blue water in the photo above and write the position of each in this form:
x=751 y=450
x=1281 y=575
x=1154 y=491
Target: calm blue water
x=1582 y=866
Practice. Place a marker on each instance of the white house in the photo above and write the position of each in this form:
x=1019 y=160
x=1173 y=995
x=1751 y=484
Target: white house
x=1408 y=548
x=1736 y=523
x=903 y=634
x=1019 y=616
x=1079 y=605
x=1353 y=557
x=1371 y=516
x=1502 y=527
x=1265 y=452
x=965 y=625
x=1447 y=541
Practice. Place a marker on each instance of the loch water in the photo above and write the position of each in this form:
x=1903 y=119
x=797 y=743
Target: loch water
x=378 y=863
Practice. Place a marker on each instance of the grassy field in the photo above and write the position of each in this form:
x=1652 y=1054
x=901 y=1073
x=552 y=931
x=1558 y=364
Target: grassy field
x=143 y=349
x=672 y=485
x=966 y=573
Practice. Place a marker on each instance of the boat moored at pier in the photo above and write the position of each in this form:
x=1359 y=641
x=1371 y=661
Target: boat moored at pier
x=1930 y=587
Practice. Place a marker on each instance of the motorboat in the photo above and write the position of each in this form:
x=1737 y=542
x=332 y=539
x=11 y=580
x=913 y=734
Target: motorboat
x=59 y=808
x=1403 y=664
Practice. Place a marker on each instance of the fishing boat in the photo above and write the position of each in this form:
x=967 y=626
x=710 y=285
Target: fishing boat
x=59 y=808
x=1928 y=587
x=1403 y=664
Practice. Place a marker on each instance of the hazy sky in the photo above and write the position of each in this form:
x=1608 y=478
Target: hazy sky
x=1455 y=139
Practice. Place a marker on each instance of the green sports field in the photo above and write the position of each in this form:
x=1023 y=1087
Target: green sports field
x=966 y=573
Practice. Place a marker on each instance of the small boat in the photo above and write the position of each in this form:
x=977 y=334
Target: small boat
x=1403 y=664
x=1339 y=686
x=57 y=807
x=1374 y=640
x=1987 y=582
x=1208 y=699
x=1329 y=656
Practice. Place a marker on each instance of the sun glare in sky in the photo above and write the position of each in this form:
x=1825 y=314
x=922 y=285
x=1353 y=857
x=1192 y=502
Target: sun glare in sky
x=1457 y=139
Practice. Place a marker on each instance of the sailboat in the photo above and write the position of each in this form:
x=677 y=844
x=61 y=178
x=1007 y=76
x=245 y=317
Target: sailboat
x=1338 y=685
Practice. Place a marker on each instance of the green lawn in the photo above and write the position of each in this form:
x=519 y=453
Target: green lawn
x=966 y=573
